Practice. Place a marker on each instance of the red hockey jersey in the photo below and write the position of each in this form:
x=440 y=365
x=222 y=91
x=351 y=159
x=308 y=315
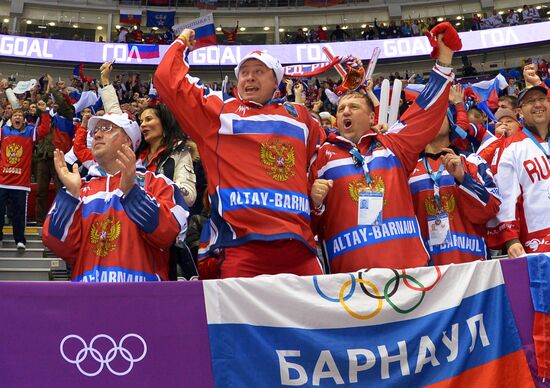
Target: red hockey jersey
x=469 y=206
x=16 y=159
x=391 y=157
x=109 y=237
x=256 y=157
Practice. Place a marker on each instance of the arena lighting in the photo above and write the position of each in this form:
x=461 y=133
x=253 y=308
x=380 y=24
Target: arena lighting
x=538 y=7
x=42 y=27
x=99 y=28
x=519 y=9
x=75 y=25
x=457 y=24
x=345 y=27
x=548 y=12
x=51 y=24
x=154 y=28
x=363 y=26
x=218 y=29
x=459 y=18
x=29 y=21
x=117 y=26
x=501 y=12
x=324 y=28
x=242 y=28
x=281 y=30
x=440 y=19
x=266 y=28
x=304 y=29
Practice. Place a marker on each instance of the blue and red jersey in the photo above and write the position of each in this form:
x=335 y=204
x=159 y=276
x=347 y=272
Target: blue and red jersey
x=256 y=156
x=110 y=237
x=16 y=147
x=469 y=206
x=390 y=157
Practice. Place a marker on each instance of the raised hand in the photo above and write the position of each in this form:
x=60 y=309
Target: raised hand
x=530 y=75
x=456 y=94
x=71 y=180
x=105 y=71
x=127 y=162
x=188 y=36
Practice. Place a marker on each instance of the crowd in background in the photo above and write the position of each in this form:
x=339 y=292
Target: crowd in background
x=135 y=95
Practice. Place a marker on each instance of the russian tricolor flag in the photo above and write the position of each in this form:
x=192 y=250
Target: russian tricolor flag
x=130 y=16
x=539 y=279
x=143 y=51
x=205 y=32
x=487 y=90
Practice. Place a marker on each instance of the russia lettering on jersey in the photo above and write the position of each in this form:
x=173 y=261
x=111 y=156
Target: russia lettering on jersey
x=523 y=177
x=17 y=147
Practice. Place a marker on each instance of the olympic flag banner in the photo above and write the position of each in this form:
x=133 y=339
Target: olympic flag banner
x=383 y=328
x=478 y=324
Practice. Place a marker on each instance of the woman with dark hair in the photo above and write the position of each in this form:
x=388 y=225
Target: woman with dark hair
x=164 y=151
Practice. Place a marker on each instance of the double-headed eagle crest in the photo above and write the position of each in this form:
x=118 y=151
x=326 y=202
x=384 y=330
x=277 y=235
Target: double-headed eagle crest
x=448 y=205
x=14 y=152
x=103 y=235
x=278 y=160
x=359 y=184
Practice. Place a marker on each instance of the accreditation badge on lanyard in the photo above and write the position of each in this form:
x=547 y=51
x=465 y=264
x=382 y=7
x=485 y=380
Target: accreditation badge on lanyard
x=371 y=202
x=439 y=228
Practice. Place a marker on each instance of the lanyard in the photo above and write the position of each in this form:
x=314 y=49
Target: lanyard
x=530 y=136
x=361 y=159
x=435 y=178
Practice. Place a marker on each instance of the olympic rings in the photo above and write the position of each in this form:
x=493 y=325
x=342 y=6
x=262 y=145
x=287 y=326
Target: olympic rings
x=97 y=356
x=403 y=276
x=437 y=270
x=392 y=293
x=374 y=292
x=353 y=313
x=322 y=294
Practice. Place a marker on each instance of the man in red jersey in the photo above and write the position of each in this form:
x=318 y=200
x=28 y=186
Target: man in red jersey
x=117 y=224
x=366 y=215
x=256 y=151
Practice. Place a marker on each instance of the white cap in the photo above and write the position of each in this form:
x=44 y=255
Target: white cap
x=324 y=115
x=130 y=127
x=268 y=60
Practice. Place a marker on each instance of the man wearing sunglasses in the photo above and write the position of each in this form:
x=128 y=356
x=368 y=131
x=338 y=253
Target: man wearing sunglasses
x=117 y=224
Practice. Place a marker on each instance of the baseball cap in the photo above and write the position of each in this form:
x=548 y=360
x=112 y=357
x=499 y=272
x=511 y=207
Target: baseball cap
x=130 y=127
x=523 y=93
x=502 y=112
x=268 y=60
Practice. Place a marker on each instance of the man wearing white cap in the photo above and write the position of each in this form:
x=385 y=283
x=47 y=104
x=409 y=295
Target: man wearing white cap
x=256 y=151
x=116 y=225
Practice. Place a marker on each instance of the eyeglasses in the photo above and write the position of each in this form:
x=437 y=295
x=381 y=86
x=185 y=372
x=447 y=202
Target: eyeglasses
x=103 y=128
